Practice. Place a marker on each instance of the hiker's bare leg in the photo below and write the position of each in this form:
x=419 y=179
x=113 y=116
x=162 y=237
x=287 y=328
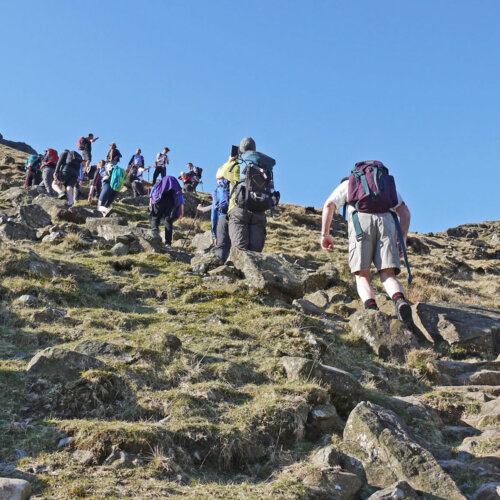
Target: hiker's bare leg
x=363 y=284
x=69 y=194
x=391 y=284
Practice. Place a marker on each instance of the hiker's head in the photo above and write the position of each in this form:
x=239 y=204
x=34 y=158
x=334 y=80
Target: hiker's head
x=247 y=144
x=90 y=136
x=101 y=163
x=218 y=175
x=166 y=150
x=113 y=145
x=189 y=165
x=138 y=151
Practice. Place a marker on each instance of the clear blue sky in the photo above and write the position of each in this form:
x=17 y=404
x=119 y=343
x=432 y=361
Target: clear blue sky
x=319 y=84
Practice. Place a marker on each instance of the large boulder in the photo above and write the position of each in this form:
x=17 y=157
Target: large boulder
x=387 y=337
x=14 y=489
x=202 y=241
x=346 y=391
x=270 y=272
x=488 y=491
x=329 y=483
x=462 y=325
x=60 y=211
x=400 y=490
x=389 y=452
x=116 y=229
x=19 y=196
x=11 y=230
x=62 y=363
x=202 y=263
x=34 y=216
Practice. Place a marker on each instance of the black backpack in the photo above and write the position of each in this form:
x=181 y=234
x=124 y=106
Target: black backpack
x=74 y=160
x=255 y=192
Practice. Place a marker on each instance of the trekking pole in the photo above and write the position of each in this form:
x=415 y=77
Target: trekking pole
x=190 y=229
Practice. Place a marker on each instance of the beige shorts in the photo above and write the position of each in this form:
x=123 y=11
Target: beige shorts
x=378 y=245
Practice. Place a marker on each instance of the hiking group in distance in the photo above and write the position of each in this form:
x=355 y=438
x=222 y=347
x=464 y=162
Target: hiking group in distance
x=378 y=218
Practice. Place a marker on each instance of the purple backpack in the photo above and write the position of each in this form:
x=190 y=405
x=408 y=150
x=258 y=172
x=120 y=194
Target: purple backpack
x=371 y=189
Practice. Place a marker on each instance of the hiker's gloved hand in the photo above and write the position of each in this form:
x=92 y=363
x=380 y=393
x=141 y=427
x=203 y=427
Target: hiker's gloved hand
x=327 y=243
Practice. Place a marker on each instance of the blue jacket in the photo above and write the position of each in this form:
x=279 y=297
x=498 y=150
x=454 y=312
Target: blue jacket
x=220 y=203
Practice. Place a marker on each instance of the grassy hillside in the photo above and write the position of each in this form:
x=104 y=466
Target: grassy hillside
x=190 y=400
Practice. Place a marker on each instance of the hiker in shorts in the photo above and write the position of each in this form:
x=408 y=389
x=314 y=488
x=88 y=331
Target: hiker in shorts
x=49 y=162
x=113 y=155
x=161 y=164
x=86 y=149
x=66 y=174
x=372 y=238
x=247 y=228
x=166 y=201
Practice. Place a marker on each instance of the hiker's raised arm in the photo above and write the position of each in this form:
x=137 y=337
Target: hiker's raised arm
x=404 y=216
x=326 y=220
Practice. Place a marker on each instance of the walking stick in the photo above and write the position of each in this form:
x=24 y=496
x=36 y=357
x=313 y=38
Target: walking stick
x=190 y=229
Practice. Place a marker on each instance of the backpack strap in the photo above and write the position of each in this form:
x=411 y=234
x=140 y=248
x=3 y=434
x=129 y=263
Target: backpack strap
x=402 y=243
x=357 y=225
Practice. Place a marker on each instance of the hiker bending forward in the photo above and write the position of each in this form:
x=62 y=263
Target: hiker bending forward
x=378 y=244
x=166 y=202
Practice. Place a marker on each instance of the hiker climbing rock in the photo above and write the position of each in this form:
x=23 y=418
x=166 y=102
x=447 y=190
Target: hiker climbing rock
x=250 y=174
x=194 y=174
x=66 y=174
x=49 y=162
x=166 y=201
x=161 y=163
x=187 y=181
x=112 y=181
x=33 y=175
x=374 y=206
x=85 y=146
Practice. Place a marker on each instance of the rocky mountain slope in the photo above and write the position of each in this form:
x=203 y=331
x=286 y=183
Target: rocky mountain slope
x=132 y=371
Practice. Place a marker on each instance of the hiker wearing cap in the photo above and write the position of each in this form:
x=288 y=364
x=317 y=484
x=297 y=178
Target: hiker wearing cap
x=113 y=155
x=252 y=193
x=66 y=174
x=374 y=207
x=166 y=201
x=85 y=146
x=161 y=164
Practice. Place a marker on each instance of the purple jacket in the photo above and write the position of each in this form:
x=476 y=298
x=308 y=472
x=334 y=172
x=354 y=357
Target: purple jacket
x=168 y=183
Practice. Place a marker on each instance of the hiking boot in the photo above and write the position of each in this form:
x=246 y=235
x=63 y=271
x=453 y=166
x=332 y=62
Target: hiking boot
x=403 y=311
x=61 y=196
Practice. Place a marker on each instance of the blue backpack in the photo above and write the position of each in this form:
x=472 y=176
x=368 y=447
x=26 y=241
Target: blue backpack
x=221 y=197
x=34 y=161
x=118 y=178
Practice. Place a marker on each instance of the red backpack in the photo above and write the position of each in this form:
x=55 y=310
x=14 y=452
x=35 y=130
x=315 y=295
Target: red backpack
x=82 y=142
x=51 y=157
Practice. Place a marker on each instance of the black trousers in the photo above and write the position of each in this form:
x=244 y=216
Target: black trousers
x=159 y=170
x=166 y=209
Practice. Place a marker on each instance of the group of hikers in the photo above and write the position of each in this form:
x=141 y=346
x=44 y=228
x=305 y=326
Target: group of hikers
x=378 y=218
